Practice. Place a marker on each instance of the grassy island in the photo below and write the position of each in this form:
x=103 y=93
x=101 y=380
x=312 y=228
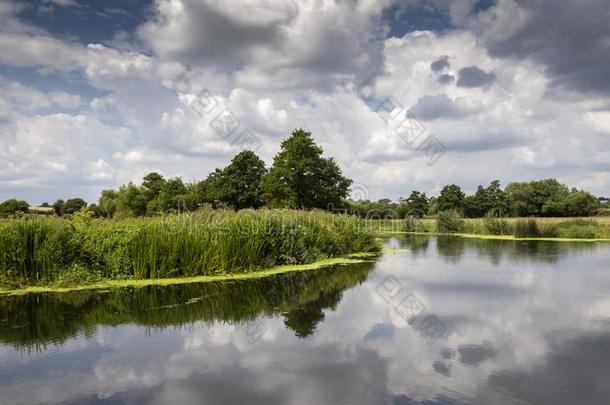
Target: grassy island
x=210 y=243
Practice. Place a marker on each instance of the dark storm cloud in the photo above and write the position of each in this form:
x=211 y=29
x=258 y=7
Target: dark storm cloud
x=571 y=38
x=440 y=64
x=445 y=79
x=439 y=106
x=473 y=76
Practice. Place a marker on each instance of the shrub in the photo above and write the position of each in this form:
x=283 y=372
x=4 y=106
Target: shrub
x=580 y=229
x=414 y=225
x=527 y=229
x=496 y=226
x=449 y=222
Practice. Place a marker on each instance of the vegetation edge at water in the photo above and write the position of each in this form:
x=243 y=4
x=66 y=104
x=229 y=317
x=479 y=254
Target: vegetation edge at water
x=355 y=258
x=62 y=253
x=498 y=237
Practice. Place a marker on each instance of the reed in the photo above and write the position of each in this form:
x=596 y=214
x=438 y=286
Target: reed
x=49 y=250
x=449 y=222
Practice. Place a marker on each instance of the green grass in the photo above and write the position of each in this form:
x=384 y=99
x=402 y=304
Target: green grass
x=59 y=252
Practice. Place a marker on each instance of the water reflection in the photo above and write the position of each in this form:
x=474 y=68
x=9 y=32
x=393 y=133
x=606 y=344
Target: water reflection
x=526 y=323
x=34 y=320
x=453 y=248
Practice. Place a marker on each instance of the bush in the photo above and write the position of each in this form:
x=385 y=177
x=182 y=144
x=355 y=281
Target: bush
x=581 y=229
x=412 y=224
x=449 y=222
x=530 y=229
x=526 y=229
x=497 y=226
x=549 y=231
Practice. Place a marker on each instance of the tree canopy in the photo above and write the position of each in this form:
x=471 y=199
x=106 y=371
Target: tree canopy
x=301 y=178
x=13 y=206
x=451 y=198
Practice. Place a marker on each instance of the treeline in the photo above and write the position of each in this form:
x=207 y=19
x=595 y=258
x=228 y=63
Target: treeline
x=541 y=198
x=299 y=178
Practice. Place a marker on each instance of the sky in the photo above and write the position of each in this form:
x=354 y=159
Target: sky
x=405 y=95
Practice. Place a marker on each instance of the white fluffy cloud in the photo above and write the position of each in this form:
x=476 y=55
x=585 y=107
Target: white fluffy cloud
x=281 y=65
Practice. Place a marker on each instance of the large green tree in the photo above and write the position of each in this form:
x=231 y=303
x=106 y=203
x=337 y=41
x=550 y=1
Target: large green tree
x=417 y=204
x=242 y=181
x=131 y=201
x=577 y=203
x=451 y=198
x=169 y=198
x=486 y=200
x=301 y=178
x=152 y=183
x=529 y=198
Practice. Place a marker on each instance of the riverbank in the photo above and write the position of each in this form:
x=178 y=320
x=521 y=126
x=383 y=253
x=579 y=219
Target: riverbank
x=550 y=229
x=53 y=252
x=495 y=237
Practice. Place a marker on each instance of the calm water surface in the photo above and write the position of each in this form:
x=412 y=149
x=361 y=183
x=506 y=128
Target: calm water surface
x=445 y=321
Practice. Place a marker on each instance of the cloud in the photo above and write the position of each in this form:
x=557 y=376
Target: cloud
x=270 y=44
x=29 y=98
x=473 y=76
x=445 y=78
x=441 y=106
x=569 y=38
x=440 y=64
x=301 y=66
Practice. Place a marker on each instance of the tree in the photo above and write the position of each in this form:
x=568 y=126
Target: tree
x=13 y=206
x=490 y=199
x=58 y=207
x=131 y=201
x=169 y=198
x=242 y=181
x=451 y=198
x=211 y=190
x=417 y=204
x=73 y=205
x=529 y=198
x=301 y=178
x=153 y=183
x=96 y=211
x=108 y=203
x=577 y=203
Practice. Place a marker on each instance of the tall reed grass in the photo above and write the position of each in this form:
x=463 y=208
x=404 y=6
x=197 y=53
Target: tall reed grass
x=47 y=250
x=449 y=222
